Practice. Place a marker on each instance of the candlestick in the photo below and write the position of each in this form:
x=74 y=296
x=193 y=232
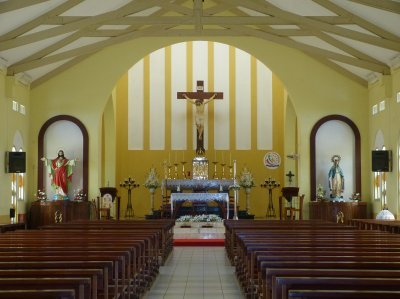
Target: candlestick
x=176 y=176
x=215 y=176
x=183 y=169
x=270 y=184
x=223 y=171
x=129 y=184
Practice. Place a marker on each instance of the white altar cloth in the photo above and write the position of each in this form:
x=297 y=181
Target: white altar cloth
x=200 y=197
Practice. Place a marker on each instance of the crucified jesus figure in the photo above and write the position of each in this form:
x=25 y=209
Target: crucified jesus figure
x=199 y=99
x=199 y=113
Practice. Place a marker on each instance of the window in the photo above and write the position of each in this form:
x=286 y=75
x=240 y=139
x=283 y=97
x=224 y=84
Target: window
x=17 y=186
x=380 y=186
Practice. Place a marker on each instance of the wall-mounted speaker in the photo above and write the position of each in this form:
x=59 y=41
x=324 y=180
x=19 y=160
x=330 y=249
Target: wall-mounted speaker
x=382 y=161
x=15 y=162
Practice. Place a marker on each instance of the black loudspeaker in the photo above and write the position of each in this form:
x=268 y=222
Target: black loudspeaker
x=15 y=162
x=382 y=161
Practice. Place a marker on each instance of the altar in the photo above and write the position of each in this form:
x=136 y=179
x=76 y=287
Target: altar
x=200 y=197
x=196 y=190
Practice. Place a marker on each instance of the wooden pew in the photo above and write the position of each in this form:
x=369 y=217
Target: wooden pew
x=284 y=284
x=37 y=294
x=80 y=285
x=259 y=248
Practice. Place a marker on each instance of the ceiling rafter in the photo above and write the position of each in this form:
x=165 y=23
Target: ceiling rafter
x=11 y=5
x=377 y=67
x=88 y=21
x=358 y=20
x=387 y=5
x=192 y=19
x=39 y=20
x=264 y=7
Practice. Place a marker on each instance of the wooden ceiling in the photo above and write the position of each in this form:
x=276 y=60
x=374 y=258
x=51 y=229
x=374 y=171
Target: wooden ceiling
x=41 y=38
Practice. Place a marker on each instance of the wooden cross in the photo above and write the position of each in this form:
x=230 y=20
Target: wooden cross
x=290 y=175
x=199 y=99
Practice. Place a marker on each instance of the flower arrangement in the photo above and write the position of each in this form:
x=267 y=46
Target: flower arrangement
x=79 y=195
x=246 y=179
x=41 y=195
x=200 y=218
x=152 y=181
x=355 y=196
x=320 y=192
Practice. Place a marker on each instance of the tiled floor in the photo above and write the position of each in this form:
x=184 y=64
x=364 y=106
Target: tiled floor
x=196 y=273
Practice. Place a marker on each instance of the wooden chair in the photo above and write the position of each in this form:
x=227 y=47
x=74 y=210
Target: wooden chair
x=293 y=204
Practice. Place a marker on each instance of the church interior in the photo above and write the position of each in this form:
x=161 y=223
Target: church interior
x=272 y=114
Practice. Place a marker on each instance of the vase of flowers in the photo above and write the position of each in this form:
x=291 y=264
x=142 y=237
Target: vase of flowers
x=246 y=181
x=152 y=183
x=41 y=195
x=320 y=192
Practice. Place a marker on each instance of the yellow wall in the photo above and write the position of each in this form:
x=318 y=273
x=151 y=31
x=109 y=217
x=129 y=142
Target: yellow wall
x=388 y=121
x=83 y=90
x=11 y=122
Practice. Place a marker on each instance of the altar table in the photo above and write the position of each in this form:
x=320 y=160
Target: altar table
x=200 y=197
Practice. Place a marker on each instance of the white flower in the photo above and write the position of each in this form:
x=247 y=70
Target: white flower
x=152 y=181
x=246 y=179
x=200 y=218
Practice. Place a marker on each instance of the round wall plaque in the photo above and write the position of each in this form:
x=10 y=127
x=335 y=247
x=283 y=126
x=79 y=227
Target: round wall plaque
x=272 y=160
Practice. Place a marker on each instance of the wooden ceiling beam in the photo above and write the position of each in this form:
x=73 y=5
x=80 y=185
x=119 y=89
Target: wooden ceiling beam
x=99 y=20
x=387 y=5
x=358 y=20
x=377 y=67
x=88 y=49
x=11 y=5
x=39 y=20
x=267 y=8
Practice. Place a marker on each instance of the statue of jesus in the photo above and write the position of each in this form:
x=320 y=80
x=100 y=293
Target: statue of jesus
x=60 y=171
x=199 y=113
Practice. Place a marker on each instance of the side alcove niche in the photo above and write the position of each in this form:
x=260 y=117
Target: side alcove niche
x=335 y=135
x=69 y=134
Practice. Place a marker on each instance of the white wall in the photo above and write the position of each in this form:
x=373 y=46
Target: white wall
x=67 y=136
x=335 y=138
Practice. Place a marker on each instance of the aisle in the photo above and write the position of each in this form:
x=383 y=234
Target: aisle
x=196 y=273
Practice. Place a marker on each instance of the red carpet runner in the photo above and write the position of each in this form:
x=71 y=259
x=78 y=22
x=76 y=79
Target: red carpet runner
x=199 y=242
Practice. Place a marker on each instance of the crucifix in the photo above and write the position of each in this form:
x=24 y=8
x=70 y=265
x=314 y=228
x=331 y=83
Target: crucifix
x=290 y=175
x=200 y=99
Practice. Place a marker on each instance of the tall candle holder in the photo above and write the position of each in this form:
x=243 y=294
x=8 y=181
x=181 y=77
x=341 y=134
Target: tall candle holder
x=129 y=184
x=183 y=169
x=230 y=167
x=176 y=176
x=215 y=176
x=169 y=171
x=223 y=171
x=270 y=184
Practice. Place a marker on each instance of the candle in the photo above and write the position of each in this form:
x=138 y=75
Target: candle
x=234 y=169
x=215 y=155
x=176 y=158
x=183 y=156
x=169 y=157
x=230 y=158
x=223 y=160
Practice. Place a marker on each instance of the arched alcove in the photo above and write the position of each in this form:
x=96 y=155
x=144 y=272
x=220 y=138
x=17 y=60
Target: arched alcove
x=313 y=154
x=85 y=148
